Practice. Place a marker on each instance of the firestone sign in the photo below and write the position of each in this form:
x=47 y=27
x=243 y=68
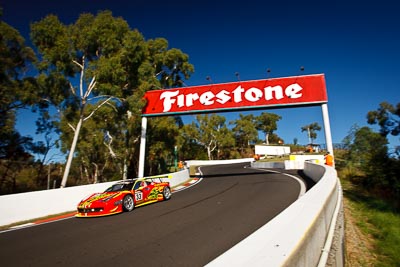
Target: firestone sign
x=235 y=96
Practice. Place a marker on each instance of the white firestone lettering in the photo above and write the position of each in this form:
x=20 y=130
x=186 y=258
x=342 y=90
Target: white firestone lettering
x=293 y=91
x=190 y=98
x=270 y=89
x=168 y=101
x=223 y=97
x=237 y=94
x=206 y=98
x=181 y=101
x=253 y=94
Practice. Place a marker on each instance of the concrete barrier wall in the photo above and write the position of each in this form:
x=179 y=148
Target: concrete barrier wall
x=177 y=178
x=268 y=165
x=31 y=205
x=299 y=234
x=216 y=162
x=296 y=162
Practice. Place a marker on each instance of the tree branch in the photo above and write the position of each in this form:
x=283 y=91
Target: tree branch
x=71 y=126
x=99 y=106
x=112 y=153
x=77 y=63
x=72 y=88
x=91 y=86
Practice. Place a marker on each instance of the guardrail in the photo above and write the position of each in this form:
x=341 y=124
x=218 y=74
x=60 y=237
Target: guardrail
x=301 y=235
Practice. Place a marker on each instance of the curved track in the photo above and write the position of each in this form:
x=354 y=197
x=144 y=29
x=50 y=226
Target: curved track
x=193 y=228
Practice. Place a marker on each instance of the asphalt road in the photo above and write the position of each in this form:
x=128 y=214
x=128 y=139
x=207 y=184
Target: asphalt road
x=191 y=229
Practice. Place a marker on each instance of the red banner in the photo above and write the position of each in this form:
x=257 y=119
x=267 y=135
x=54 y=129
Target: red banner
x=235 y=96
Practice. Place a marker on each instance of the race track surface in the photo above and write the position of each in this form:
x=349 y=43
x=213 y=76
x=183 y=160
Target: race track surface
x=191 y=229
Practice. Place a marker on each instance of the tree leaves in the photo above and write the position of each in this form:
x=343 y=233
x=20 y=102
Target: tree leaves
x=245 y=130
x=311 y=130
x=387 y=117
x=103 y=63
x=267 y=123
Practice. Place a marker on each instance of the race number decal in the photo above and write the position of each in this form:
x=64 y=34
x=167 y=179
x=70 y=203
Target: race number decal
x=139 y=195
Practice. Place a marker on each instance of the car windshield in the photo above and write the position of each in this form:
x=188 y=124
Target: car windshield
x=120 y=187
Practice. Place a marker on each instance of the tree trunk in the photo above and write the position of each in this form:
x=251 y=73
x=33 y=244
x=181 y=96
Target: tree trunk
x=96 y=173
x=125 y=169
x=71 y=153
x=266 y=138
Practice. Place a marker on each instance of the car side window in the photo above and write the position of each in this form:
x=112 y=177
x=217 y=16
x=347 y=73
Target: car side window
x=136 y=186
x=128 y=186
x=140 y=184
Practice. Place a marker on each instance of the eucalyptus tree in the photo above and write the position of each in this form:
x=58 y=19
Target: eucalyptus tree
x=311 y=130
x=210 y=132
x=17 y=88
x=96 y=147
x=368 y=151
x=99 y=60
x=245 y=130
x=162 y=136
x=187 y=146
x=267 y=123
x=17 y=91
x=387 y=117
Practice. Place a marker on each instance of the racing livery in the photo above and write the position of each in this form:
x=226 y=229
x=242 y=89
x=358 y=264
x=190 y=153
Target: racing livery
x=124 y=196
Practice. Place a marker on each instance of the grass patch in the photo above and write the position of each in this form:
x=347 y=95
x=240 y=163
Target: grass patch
x=377 y=219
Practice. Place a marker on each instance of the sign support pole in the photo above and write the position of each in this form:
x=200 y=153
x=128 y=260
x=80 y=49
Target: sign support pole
x=327 y=128
x=142 y=148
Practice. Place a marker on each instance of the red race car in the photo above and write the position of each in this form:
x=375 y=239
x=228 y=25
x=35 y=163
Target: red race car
x=124 y=196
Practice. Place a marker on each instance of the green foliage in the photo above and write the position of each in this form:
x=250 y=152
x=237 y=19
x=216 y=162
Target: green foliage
x=267 y=123
x=211 y=133
x=363 y=145
x=367 y=163
x=161 y=144
x=387 y=117
x=245 y=131
x=115 y=66
x=94 y=73
x=380 y=220
x=311 y=130
x=17 y=91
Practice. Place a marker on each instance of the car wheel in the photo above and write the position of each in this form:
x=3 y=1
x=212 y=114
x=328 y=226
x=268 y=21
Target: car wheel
x=167 y=193
x=128 y=203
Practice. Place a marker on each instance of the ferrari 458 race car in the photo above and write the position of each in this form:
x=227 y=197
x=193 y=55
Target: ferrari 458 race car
x=124 y=196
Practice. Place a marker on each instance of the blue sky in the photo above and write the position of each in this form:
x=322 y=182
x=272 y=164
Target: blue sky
x=354 y=43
